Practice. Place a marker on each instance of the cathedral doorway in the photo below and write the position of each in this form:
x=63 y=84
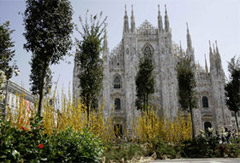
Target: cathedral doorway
x=118 y=130
x=207 y=125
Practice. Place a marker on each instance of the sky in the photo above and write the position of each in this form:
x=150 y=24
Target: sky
x=207 y=20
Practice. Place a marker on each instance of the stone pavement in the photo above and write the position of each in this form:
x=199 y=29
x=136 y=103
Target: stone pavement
x=201 y=160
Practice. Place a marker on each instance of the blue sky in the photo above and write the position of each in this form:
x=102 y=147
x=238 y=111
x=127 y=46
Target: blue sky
x=208 y=20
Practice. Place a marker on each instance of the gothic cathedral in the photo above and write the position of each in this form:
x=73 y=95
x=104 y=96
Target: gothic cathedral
x=121 y=67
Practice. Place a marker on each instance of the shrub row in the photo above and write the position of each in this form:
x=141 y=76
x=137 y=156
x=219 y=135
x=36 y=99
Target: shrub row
x=159 y=149
x=22 y=145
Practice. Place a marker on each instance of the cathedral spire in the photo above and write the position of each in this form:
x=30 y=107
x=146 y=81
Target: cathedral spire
x=105 y=42
x=126 y=25
x=132 y=21
x=211 y=58
x=206 y=66
x=160 y=25
x=218 y=58
x=189 y=41
x=181 y=51
x=217 y=52
x=214 y=51
x=166 y=20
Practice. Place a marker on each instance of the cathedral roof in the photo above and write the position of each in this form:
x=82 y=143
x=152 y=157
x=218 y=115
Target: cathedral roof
x=117 y=50
x=146 y=28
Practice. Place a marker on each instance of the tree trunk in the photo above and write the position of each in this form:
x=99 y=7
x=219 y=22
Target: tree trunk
x=147 y=101
x=236 y=118
x=144 y=101
x=88 y=108
x=41 y=91
x=40 y=102
x=193 y=125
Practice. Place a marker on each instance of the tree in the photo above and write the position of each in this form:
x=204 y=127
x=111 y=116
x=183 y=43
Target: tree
x=232 y=88
x=6 y=57
x=187 y=86
x=2 y=84
x=144 y=83
x=88 y=58
x=6 y=52
x=47 y=30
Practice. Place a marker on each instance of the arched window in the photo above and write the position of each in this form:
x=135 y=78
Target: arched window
x=117 y=82
x=117 y=103
x=147 y=52
x=205 y=102
x=207 y=125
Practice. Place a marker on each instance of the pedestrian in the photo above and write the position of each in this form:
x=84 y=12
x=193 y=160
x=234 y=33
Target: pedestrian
x=235 y=134
x=228 y=137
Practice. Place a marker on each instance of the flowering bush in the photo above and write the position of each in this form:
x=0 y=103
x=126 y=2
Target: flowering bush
x=40 y=146
x=23 y=128
x=33 y=145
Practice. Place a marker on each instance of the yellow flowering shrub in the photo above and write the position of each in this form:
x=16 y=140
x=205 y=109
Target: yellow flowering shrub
x=58 y=114
x=150 y=125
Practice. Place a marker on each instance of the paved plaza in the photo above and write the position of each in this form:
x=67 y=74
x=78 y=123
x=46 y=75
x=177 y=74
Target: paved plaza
x=202 y=160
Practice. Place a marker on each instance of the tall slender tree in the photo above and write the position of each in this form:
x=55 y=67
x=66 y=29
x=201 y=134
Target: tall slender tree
x=232 y=88
x=144 y=83
x=89 y=59
x=47 y=30
x=187 y=86
x=6 y=51
x=6 y=58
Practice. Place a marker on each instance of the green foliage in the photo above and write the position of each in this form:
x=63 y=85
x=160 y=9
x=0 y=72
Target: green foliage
x=6 y=52
x=232 y=87
x=2 y=85
x=186 y=83
x=144 y=83
x=123 y=151
x=187 y=86
x=232 y=150
x=236 y=140
x=89 y=61
x=20 y=144
x=206 y=148
x=35 y=146
x=164 y=150
x=70 y=145
x=48 y=27
x=7 y=152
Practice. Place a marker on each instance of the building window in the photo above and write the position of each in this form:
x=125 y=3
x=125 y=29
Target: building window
x=117 y=103
x=207 y=125
x=117 y=82
x=205 y=102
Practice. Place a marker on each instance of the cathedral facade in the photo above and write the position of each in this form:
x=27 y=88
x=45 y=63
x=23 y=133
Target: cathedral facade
x=121 y=67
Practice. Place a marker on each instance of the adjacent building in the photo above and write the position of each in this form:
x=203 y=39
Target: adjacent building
x=16 y=94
